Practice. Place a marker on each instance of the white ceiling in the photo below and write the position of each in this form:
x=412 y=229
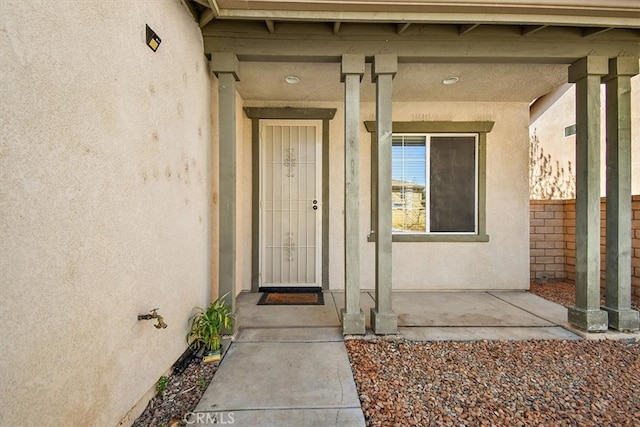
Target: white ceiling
x=264 y=81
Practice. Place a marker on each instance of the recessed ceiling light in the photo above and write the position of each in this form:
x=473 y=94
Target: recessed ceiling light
x=450 y=80
x=292 y=80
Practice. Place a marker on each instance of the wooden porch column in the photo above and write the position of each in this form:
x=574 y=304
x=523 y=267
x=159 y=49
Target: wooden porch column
x=618 y=292
x=351 y=75
x=383 y=320
x=226 y=68
x=586 y=74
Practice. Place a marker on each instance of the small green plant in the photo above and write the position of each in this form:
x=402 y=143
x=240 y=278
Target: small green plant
x=202 y=383
x=207 y=324
x=162 y=384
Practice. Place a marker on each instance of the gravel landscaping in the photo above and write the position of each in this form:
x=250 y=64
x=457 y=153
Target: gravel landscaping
x=180 y=397
x=526 y=383
x=564 y=293
x=507 y=383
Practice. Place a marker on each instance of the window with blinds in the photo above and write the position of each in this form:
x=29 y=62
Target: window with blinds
x=435 y=183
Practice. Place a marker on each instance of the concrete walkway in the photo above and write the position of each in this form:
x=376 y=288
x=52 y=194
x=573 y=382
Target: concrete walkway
x=288 y=365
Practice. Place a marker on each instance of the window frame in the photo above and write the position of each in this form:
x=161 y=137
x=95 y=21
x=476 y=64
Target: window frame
x=428 y=137
x=437 y=128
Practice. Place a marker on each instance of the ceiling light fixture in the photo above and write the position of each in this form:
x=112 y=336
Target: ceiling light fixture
x=292 y=80
x=450 y=80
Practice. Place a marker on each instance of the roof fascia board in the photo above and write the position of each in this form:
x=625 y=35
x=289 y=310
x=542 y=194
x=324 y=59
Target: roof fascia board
x=603 y=13
x=429 y=4
x=213 y=5
x=435 y=18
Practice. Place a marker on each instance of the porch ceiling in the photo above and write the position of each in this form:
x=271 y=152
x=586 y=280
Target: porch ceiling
x=414 y=82
x=517 y=50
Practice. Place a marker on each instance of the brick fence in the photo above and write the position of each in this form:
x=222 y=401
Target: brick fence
x=553 y=240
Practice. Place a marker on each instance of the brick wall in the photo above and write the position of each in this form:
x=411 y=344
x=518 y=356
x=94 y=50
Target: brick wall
x=553 y=241
x=548 y=257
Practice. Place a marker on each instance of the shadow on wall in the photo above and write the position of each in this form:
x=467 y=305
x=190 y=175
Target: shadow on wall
x=546 y=181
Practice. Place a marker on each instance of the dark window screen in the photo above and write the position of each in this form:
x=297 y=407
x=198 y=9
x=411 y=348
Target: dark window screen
x=453 y=184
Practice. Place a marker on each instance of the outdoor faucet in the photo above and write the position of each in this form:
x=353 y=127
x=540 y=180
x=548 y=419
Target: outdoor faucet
x=153 y=315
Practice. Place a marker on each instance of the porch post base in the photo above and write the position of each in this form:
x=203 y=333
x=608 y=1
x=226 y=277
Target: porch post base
x=623 y=320
x=353 y=323
x=384 y=323
x=588 y=320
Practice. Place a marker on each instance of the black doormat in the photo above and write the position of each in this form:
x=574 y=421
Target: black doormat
x=292 y=296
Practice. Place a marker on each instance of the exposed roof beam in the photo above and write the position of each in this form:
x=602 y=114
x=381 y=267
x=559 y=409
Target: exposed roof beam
x=532 y=29
x=464 y=29
x=207 y=16
x=496 y=44
x=211 y=12
x=271 y=26
x=336 y=27
x=403 y=27
x=590 y=32
x=192 y=9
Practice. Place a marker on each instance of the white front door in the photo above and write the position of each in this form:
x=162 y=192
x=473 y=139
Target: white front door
x=290 y=205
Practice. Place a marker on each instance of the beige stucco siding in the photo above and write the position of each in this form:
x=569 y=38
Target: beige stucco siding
x=501 y=263
x=104 y=165
x=549 y=128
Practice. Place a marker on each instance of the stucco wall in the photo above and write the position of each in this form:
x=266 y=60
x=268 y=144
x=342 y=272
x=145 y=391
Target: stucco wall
x=549 y=128
x=104 y=155
x=502 y=263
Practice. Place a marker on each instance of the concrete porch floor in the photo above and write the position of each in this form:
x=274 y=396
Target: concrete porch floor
x=288 y=366
x=428 y=315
